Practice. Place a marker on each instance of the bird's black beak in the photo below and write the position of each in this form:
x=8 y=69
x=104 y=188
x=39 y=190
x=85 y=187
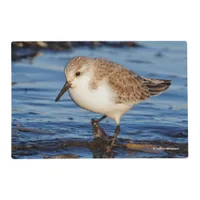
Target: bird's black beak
x=64 y=89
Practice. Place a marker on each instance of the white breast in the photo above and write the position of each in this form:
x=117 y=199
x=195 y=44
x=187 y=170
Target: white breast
x=100 y=100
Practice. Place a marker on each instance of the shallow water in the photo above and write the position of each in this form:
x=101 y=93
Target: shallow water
x=160 y=120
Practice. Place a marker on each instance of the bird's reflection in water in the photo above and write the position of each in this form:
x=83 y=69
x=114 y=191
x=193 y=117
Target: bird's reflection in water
x=99 y=149
x=99 y=145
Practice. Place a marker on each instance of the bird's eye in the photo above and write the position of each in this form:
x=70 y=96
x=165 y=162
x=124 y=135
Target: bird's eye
x=78 y=73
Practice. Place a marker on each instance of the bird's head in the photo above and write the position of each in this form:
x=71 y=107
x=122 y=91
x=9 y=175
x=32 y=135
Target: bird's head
x=75 y=71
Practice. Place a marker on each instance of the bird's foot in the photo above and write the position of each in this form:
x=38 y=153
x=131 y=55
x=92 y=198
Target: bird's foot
x=94 y=122
x=98 y=131
x=110 y=148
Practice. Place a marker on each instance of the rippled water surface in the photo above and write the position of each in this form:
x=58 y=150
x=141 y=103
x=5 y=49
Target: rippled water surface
x=62 y=128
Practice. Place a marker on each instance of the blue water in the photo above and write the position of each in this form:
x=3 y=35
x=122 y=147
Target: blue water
x=161 y=118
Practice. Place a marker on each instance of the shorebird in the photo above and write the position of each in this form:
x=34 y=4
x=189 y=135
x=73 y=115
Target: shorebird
x=108 y=88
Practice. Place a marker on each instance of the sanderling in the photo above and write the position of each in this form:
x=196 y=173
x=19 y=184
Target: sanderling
x=108 y=88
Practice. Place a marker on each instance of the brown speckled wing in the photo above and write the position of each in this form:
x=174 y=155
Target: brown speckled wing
x=129 y=87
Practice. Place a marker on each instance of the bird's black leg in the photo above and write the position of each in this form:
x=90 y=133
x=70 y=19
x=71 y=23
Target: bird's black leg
x=102 y=118
x=117 y=130
x=98 y=120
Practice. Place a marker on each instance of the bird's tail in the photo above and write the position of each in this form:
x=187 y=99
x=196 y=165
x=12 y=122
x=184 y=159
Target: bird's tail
x=156 y=86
